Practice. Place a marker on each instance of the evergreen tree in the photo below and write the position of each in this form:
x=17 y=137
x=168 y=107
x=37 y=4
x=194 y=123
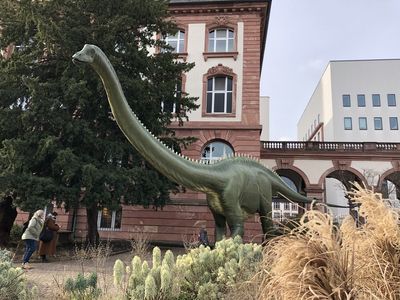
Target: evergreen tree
x=58 y=139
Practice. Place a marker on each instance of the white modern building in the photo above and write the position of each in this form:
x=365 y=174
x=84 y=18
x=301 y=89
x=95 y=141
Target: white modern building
x=354 y=101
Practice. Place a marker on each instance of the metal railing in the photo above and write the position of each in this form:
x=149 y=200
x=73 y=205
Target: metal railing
x=329 y=146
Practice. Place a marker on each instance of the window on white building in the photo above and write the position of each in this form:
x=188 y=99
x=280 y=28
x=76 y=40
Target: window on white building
x=276 y=205
x=220 y=40
x=361 y=100
x=176 y=41
x=347 y=123
x=393 y=122
x=286 y=205
x=391 y=98
x=346 y=101
x=219 y=94
x=109 y=219
x=215 y=151
x=362 y=123
x=172 y=105
x=378 y=123
x=376 y=100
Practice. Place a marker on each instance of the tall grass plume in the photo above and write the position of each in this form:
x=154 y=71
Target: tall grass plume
x=317 y=260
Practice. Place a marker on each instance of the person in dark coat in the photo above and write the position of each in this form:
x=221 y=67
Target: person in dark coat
x=49 y=248
x=203 y=236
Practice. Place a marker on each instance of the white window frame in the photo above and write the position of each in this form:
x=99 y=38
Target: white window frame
x=227 y=150
x=225 y=91
x=177 y=92
x=112 y=227
x=213 y=39
x=179 y=38
x=276 y=205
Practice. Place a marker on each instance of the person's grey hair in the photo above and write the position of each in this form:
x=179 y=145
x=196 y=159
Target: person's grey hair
x=39 y=213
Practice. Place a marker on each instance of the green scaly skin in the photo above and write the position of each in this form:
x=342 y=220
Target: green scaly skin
x=235 y=187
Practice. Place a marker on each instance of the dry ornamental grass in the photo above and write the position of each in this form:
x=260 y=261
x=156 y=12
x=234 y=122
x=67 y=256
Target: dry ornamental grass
x=317 y=260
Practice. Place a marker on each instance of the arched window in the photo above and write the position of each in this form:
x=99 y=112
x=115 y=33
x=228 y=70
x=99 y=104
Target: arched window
x=176 y=41
x=216 y=150
x=290 y=183
x=221 y=40
x=219 y=94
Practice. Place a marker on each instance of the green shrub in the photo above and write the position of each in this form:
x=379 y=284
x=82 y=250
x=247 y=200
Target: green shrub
x=82 y=288
x=201 y=274
x=12 y=280
x=16 y=233
x=211 y=274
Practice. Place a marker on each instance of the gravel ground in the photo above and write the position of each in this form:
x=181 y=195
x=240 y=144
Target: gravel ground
x=50 y=277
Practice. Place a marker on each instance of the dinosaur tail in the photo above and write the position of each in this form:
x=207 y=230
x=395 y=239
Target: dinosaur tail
x=287 y=193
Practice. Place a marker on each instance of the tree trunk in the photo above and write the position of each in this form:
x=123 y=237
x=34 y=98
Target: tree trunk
x=92 y=233
x=8 y=214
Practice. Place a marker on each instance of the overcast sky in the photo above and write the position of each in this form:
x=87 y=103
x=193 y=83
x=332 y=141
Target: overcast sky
x=303 y=36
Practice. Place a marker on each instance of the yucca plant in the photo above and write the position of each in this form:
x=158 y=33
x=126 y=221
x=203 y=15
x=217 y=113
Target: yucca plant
x=12 y=280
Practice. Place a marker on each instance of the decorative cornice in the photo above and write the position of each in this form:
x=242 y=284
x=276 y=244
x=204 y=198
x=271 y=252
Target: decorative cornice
x=220 y=69
x=212 y=8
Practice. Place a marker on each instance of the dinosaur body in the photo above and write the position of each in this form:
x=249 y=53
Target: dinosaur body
x=236 y=187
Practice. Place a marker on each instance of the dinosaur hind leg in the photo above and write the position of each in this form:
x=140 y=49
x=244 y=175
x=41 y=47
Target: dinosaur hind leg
x=220 y=226
x=265 y=212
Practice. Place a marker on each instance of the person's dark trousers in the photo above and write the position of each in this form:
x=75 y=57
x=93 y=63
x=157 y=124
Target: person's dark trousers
x=30 y=248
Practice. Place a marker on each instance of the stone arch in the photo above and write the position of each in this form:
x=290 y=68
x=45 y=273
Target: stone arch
x=392 y=175
x=335 y=194
x=349 y=169
x=296 y=170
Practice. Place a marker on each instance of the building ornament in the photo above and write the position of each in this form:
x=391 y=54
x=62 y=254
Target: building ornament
x=221 y=20
x=220 y=69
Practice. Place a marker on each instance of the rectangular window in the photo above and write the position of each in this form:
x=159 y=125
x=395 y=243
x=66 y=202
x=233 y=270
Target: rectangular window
x=376 y=100
x=277 y=205
x=391 y=98
x=378 y=123
x=346 y=101
x=109 y=219
x=393 y=122
x=361 y=100
x=173 y=105
x=219 y=94
x=362 y=123
x=176 y=41
x=347 y=123
x=286 y=205
x=220 y=40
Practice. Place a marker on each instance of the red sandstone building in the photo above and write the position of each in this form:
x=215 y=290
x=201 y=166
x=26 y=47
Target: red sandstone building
x=226 y=40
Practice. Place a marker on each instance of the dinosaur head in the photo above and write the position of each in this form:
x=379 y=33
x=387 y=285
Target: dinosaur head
x=86 y=55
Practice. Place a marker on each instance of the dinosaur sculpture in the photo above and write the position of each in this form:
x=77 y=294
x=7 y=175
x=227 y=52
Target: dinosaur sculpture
x=236 y=187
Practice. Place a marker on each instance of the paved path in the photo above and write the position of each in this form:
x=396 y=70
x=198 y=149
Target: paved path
x=50 y=277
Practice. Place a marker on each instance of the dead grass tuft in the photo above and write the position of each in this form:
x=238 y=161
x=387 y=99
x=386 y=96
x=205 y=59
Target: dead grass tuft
x=316 y=260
